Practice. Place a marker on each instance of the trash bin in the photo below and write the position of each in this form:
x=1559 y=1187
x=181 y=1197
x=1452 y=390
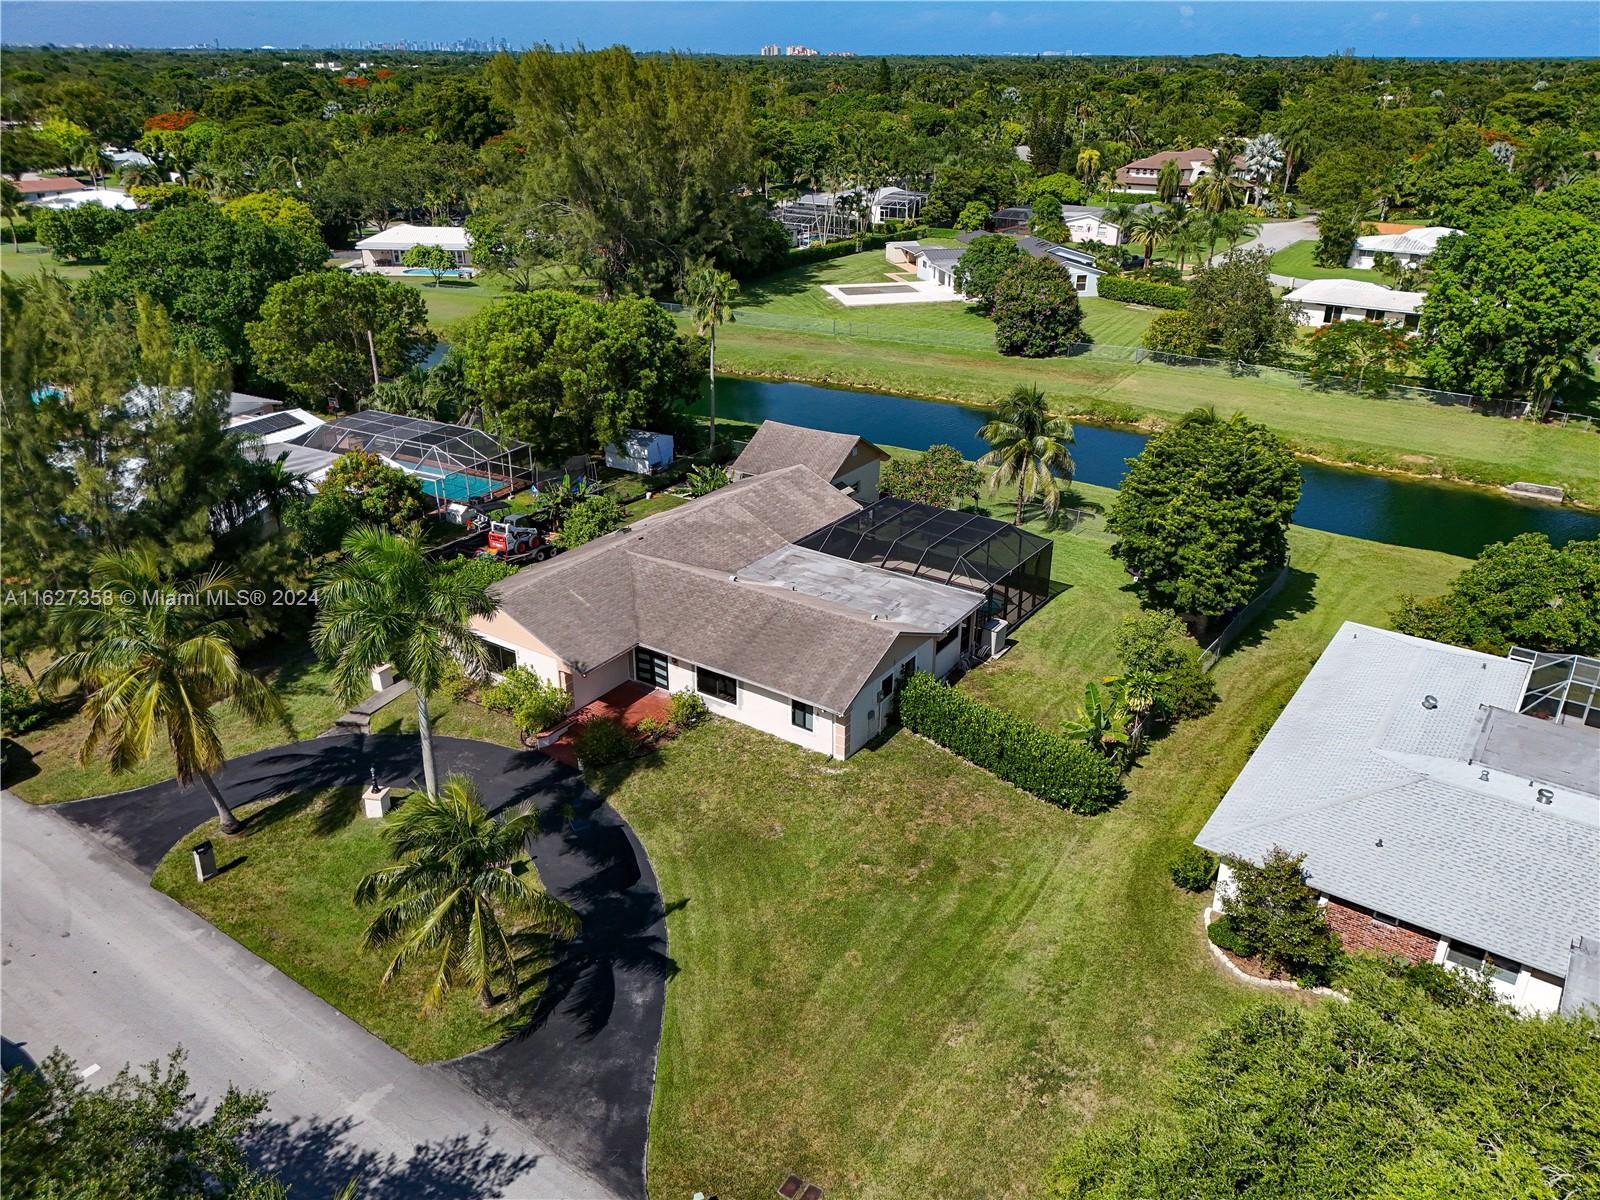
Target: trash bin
x=205 y=862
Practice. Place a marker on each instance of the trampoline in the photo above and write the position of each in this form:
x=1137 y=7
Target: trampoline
x=1010 y=566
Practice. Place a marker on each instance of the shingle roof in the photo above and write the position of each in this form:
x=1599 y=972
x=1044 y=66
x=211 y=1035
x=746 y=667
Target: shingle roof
x=669 y=583
x=1381 y=792
x=776 y=445
x=58 y=183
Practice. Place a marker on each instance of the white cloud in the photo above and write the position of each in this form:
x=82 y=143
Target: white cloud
x=1185 y=10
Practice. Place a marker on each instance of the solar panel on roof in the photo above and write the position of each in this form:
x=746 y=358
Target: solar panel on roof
x=275 y=423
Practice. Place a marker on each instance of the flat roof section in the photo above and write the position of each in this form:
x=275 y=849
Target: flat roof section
x=916 y=604
x=1567 y=755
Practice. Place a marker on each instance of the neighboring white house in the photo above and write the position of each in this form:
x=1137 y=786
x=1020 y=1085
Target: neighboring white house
x=1327 y=301
x=895 y=204
x=1410 y=249
x=715 y=597
x=937 y=264
x=1447 y=803
x=1086 y=223
x=848 y=462
x=1079 y=264
x=270 y=436
x=36 y=188
x=104 y=197
x=385 y=251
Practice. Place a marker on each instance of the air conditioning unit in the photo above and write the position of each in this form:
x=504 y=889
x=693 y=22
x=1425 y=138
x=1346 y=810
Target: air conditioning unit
x=994 y=636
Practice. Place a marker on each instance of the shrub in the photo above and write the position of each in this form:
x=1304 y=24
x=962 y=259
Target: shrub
x=1277 y=917
x=20 y=706
x=1036 y=310
x=654 y=729
x=1174 y=333
x=1044 y=762
x=1138 y=291
x=1193 y=869
x=75 y=234
x=593 y=517
x=600 y=741
x=534 y=705
x=687 y=709
x=702 y=481
x=804 y=256
x=1156 y=641
x=973 y=216
x=1154 y=274
x=1222 y=935
x=20 y=231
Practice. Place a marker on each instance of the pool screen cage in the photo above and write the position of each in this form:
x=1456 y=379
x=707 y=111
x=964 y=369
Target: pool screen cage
x=1010 y=566
x=453 y=463
x=1561 y=687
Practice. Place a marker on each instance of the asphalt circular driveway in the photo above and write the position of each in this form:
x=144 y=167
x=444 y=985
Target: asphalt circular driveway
x=581 y=1072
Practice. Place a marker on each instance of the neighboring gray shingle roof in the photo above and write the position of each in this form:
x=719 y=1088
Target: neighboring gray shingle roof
x=669 y=583
x=941 y=256
x=1358 y=758
x=776 y=445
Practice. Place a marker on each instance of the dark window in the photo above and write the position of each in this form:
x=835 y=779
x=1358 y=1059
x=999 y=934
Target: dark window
x=1332 y=313
x=1470 y=958
x=720 y=686
x=649 y=667
x=500 y=658
x=800 y=715
x=886 y=688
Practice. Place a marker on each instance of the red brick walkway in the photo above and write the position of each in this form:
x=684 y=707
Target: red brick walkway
x=628 y=703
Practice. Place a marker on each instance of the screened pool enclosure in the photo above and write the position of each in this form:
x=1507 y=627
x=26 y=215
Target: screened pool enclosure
x=452 y=462
x=1010 y=566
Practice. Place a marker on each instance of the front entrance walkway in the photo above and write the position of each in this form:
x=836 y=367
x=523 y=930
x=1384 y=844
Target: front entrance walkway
x=628 y=703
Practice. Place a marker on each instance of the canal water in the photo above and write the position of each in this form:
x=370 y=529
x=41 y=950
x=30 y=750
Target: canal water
x=1384 y=508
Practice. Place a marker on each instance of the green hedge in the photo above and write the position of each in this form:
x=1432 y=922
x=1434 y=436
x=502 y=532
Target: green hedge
x=1048 y=764
x=873 y=241
x=1137 y=291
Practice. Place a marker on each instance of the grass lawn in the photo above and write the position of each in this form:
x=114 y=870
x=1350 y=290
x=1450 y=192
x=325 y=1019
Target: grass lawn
x=455 y=300
x=460 y=718
x=303 y=683
x=284 y=892
x=31 y=259
x=794 y=300
x=899 y=976
x=1296 y=261
x=1410 y=436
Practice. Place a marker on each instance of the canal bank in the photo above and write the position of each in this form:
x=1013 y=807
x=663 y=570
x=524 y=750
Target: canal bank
x=1398 y=509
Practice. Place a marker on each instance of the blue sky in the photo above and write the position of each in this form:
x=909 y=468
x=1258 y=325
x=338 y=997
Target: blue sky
x=1447 y=28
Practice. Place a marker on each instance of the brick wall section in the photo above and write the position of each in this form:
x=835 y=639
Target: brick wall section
x=1359 y=931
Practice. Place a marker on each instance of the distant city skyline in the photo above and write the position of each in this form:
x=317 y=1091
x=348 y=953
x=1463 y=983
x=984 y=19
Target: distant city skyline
x=1414 y=28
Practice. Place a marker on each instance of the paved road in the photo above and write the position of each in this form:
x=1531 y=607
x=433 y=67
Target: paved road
x=1277 y=235
x=98 y=962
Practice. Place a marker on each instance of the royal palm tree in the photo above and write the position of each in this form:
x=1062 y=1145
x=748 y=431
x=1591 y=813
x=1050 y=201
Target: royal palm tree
x=386 y=601
x=158 y=657
x=708 y=294
x=458 y=893
x=1028 y=447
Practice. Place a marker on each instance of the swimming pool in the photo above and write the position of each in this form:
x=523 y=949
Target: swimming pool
x=452 y=273
x=456 y=485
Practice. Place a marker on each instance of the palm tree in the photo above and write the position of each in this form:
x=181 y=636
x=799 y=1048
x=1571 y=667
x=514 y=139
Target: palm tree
x=1168 y=180
x=1088 y=163
x=276 y=485
x=1148 y=228
x=1295 y=140
x=156 y=655
x=708 y=295
x=387 y=602
x=286 y=164
x=86 y=156
x=1028 y=447
x=11 y=207
x=1120 y=214
x=457 y=883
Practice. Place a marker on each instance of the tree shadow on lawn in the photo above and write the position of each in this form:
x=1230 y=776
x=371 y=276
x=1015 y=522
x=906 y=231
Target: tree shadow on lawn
x=314 y=1157
x=1298 y=597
